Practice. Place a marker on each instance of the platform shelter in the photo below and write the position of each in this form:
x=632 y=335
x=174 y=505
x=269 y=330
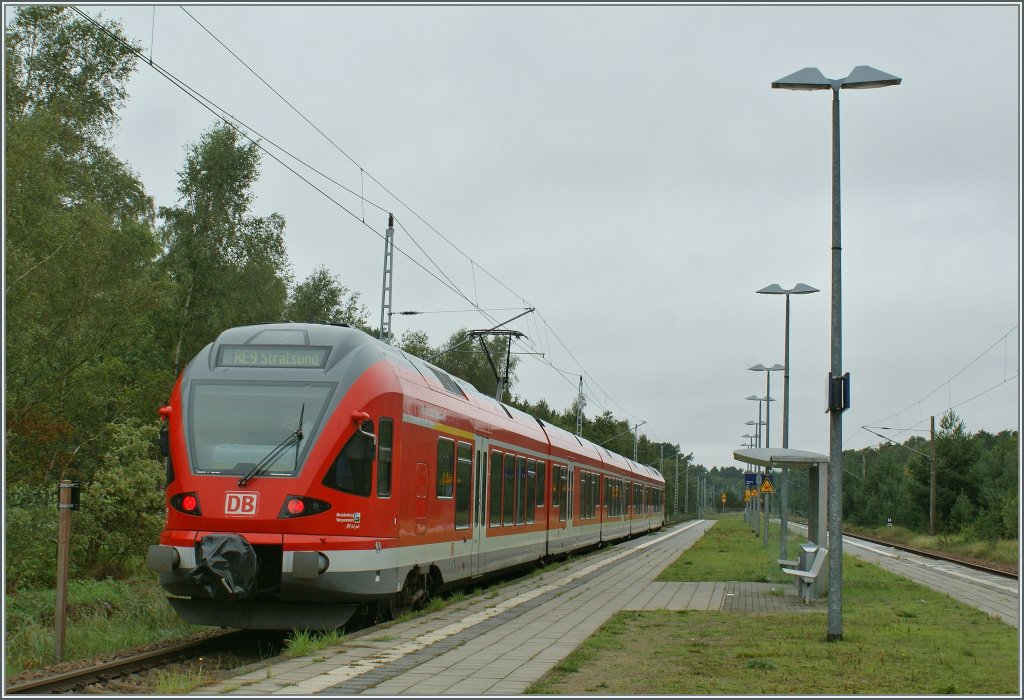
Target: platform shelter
x=817 y=480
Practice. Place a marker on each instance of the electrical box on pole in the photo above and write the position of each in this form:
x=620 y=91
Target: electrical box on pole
x=838 y=393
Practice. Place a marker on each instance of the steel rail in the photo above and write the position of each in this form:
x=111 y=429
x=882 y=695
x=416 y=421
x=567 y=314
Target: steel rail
x=108 y=670
x=932 y=554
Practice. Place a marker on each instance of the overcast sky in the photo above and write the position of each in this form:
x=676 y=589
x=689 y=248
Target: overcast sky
x=630 y=173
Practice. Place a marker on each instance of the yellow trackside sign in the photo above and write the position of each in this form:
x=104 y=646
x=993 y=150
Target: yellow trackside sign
x=766 y=485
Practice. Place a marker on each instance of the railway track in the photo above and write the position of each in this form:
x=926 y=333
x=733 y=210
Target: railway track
x=1007 y=570
x=106 y=676
x=104 y=672
x=941 y=556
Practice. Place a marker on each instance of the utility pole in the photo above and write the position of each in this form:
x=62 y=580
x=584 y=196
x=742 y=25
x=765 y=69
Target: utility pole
x=675 y=490
x=385 y=299
x=931 y=500
x=580 y=403
x=686 y=493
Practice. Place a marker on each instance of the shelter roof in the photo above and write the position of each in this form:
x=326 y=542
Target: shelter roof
x=780 y=457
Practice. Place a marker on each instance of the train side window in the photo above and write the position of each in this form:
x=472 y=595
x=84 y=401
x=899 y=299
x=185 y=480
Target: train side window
x=495 y=501
x=541 y=484
x=463 y=483
x=520 y=490
x=586 y=497
x=445 y=467
x=352 y=470
x=384 y=443
x=508 y=500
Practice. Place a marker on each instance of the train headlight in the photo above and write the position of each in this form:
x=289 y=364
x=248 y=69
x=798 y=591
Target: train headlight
x=300 y=506
x=187 y=503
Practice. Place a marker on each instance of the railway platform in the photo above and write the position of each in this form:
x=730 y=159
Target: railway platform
x=501 y=641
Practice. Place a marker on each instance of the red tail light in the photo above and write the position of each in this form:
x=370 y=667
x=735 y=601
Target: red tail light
x=187 y=503
x=300 y=506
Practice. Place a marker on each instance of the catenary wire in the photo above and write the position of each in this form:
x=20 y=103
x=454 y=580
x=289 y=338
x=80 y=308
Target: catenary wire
x=228 y=118
x=534 y=349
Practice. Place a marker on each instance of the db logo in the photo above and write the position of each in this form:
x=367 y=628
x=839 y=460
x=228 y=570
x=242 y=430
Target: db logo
x=241 y=504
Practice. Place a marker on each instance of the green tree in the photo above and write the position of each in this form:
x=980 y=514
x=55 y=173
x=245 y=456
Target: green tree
x=81 y=290
x=955 y=454
x=417 y=344
x=998 y=485
x=322 y=297
x=229 y=266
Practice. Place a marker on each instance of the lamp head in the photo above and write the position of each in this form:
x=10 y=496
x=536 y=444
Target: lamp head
x=868 y=77
x=860 y=77
x=802 y=288
x=805 y=79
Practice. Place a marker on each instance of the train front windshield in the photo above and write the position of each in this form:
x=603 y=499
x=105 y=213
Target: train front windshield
x=235 y=426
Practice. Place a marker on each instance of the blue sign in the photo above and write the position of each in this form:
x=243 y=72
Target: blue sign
x=750 y=480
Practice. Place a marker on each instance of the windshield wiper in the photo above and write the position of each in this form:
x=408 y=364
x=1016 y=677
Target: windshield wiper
x=264 y=464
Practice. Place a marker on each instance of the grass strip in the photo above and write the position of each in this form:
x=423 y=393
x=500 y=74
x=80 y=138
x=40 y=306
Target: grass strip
x=898 y=638
x=730 y=551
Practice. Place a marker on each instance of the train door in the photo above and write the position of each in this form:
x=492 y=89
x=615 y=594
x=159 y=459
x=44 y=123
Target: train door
x=569 y=510
x=420 y=516
x=479 y=507
x=558 y=509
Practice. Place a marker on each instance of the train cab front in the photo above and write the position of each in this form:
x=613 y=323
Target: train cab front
x=269 y=445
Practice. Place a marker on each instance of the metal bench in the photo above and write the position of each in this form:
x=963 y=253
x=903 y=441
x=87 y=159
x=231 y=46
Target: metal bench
x=806 y=579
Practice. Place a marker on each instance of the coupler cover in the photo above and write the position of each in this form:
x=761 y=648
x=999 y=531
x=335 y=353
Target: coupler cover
x=226 y=569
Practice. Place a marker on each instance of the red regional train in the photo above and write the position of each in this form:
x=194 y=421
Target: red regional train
x=313 y=470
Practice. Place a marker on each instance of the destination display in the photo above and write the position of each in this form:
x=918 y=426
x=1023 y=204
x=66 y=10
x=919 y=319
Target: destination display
x=273 y=356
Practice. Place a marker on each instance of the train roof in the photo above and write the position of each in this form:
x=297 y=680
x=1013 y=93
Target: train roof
x=343 y=352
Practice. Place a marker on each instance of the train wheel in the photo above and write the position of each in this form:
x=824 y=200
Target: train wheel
x=413 y=595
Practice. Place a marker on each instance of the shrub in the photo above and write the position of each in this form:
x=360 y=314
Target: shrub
x=30 y=555
x=123 y=507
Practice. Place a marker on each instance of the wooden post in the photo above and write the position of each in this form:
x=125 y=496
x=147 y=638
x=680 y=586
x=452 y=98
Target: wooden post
x=64 y=508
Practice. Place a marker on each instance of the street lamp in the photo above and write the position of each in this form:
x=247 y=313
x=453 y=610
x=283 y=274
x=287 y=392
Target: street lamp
x=757 y=430
x=757 y=435
x=861 y=77
x=759 y=400
x=768 y=396
x=800 y=288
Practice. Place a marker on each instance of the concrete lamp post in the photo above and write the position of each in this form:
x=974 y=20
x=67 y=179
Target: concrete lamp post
x=862 y=77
